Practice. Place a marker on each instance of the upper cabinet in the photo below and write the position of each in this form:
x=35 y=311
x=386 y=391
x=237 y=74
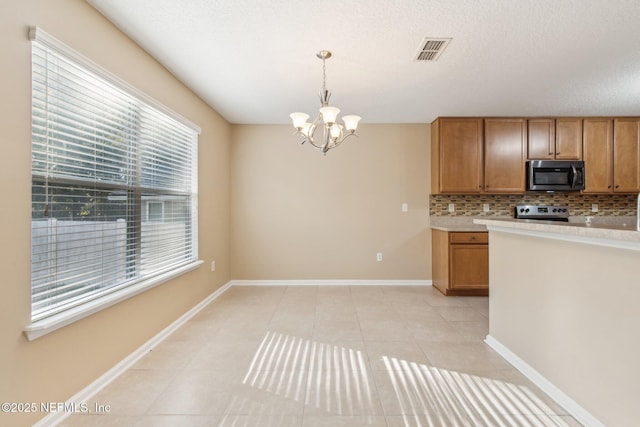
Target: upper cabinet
x=456 y=155
x=542 y=139
x=559 y=139
x=472 y=155
x=611 y=155
x=626 y=155
x=597 y=144
x=505 y=148
x=568 y=139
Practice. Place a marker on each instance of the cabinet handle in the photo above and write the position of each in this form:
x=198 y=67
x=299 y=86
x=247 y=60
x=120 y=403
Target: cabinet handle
x=609 y=186
x=618 y=186
x=557 y=153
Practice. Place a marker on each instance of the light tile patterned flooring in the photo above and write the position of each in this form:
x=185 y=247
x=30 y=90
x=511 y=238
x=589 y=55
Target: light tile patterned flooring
x=328 y=356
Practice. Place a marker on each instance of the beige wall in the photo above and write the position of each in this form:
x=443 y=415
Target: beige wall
x=297 y=214
x=56 y=366
x=570 y=310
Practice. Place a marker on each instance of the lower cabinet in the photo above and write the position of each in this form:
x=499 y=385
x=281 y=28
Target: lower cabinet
x=460 y=262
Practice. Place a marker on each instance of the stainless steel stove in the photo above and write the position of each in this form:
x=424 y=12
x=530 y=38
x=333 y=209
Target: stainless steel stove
x=542 y=212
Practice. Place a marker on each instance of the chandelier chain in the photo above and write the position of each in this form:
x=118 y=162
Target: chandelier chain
x=324 y=75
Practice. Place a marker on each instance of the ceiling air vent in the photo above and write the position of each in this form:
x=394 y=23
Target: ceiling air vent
x=431 y=48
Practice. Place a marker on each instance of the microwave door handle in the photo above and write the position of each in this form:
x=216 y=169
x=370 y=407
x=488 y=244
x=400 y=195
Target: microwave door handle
x=574 y=177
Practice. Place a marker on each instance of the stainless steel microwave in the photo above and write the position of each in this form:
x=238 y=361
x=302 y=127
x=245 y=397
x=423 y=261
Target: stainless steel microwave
x=555 y=175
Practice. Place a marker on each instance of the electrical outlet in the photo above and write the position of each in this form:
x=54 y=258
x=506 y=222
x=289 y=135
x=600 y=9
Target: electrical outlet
x=594 y=207
x=379 y=256
x=405 y=207
x=485 y=207
x=213 y=266
x=452 y=207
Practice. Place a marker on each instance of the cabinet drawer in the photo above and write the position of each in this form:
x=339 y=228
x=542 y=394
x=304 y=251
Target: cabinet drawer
x=469 y=238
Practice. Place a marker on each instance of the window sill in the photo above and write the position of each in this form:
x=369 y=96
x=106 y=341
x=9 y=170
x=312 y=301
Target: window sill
x=48 y=325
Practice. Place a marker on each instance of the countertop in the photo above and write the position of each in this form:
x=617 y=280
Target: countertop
x=622 y=234
x=475 y=228
x=469 y=223
x=456 y=223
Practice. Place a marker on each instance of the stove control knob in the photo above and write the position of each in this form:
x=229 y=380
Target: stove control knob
x=526 y=210
x=555 y=210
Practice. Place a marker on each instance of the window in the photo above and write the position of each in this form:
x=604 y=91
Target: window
x=102 y=154
x=154 y=211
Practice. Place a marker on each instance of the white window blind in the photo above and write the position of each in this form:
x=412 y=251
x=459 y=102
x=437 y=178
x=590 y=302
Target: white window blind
x=114 y=183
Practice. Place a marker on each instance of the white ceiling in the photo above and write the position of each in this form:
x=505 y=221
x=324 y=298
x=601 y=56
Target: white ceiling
x=254 y=61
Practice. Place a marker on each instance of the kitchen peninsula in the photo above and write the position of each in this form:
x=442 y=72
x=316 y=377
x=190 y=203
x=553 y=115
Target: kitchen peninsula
x=564 y=310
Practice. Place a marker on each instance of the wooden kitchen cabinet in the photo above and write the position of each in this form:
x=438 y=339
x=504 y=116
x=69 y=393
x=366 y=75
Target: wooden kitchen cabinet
x=471 y=155
x=505 y=152
x=611 y=155
x=460 y=262
x=474 y=155
x=456 y=155
x=555 y=139
x=597 y=151
x=626 y=155
x=568 y=139
x=541 y=139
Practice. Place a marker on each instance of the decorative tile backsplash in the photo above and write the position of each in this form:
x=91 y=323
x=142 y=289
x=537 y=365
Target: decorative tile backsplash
x=503 y=205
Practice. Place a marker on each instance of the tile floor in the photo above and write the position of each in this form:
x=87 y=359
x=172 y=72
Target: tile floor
x=327 y=356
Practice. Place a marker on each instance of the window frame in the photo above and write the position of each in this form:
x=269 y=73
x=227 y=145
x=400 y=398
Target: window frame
x=49 y=324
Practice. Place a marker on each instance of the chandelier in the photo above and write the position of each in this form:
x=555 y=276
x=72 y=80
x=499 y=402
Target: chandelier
x=333 y=133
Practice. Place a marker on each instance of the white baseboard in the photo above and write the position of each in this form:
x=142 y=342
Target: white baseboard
x=92 y=389
x=331 y=282
x=577 y=411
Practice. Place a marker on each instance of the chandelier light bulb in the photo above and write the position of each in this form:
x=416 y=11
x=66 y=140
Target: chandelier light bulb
x=336 y=131
x=305 y=129
x=329 y=114
x=351 y=122
x=299 y=119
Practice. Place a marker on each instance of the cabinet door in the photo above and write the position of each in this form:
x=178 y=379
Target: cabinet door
x=469 y=267
x=626 y=155
x=541 y=139
x=597 y=151
x=505 y=144
x=569 y=139
x=440 y=260
x=460 y=155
